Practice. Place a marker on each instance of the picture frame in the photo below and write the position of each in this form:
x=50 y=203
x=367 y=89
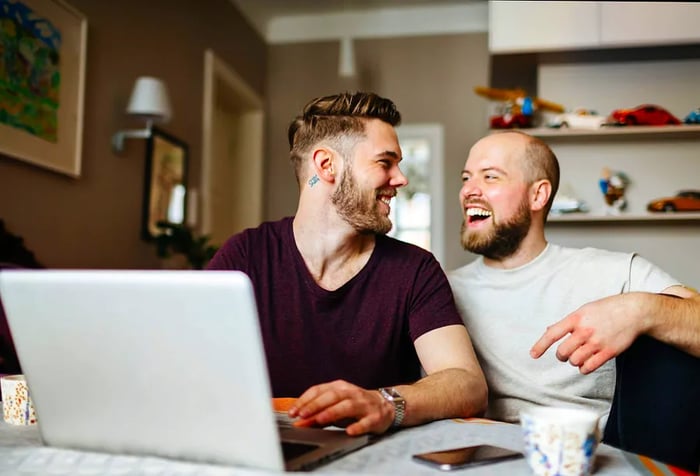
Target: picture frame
x=41 y=104
x=165 y=183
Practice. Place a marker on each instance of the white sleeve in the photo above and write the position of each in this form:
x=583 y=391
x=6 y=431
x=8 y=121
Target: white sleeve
x=645 y=276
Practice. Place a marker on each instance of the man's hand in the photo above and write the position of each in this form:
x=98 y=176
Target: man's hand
x=338 y=401
x=598 y=331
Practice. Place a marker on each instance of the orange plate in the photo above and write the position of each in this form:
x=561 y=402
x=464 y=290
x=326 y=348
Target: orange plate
x=283 y=404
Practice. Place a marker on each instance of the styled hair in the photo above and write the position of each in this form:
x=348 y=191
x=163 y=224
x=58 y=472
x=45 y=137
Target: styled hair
x=540 y=163
x=338 y=120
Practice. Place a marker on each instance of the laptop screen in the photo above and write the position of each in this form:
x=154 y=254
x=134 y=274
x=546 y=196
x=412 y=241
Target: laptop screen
x=148 y=362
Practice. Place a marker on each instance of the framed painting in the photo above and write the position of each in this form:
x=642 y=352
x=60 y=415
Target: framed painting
x=165 y=192
x=42 y=82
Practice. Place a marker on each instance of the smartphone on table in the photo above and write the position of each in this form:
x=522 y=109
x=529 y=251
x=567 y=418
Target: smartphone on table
x=459 y=458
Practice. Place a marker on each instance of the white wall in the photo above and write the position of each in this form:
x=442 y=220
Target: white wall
x=656 y=166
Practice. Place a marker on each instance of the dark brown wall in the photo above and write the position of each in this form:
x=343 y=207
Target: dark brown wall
x=430 y=79
x=94 y=221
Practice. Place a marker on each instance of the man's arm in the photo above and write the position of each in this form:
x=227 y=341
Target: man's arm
x=602 y=329
x=453 y=387
x=675 y=321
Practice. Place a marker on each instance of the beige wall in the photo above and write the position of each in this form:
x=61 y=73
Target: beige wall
x=94 y=221
x=429 y=78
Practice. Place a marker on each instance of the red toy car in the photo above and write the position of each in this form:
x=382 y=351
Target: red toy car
x=509 y=121
x=646 y=114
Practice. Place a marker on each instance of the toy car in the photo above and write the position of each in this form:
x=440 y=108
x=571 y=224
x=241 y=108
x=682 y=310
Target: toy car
x=684 y=201
x=693 y=117
x=509 y=121
x=646 y=114
x=566 y=204
x=578 y=119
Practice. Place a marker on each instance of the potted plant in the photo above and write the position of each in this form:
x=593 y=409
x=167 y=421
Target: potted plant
x=180 y=239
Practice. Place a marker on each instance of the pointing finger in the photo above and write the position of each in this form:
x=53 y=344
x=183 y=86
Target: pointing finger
x=550 y=336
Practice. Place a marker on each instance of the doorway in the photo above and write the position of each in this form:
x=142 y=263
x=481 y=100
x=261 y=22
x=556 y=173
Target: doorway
x=232 y=152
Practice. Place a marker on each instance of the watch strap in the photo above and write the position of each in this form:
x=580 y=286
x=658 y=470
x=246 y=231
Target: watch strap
x=399 y=403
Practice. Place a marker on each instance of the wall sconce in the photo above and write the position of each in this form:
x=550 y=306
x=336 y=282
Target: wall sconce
x=149 y=101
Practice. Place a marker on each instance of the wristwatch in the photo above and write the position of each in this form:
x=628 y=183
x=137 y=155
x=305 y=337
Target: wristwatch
x=395 y=398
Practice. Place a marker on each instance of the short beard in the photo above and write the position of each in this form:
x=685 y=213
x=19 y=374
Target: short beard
x=503 y=240
x=358 y=209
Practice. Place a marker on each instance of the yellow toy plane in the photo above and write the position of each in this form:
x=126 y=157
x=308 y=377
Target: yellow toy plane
x=520 y=106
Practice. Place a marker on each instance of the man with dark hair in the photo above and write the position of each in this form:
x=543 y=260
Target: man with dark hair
x=597 y=301
x=348 y=315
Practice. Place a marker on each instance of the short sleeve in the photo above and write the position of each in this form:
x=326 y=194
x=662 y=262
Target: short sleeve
x=433 y=305
x=647 y=277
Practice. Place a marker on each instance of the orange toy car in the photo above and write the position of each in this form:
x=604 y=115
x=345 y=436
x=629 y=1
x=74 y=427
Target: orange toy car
x=684 y=201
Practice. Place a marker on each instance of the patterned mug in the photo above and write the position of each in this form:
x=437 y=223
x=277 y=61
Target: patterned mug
x=560 y=441
x=17 y=406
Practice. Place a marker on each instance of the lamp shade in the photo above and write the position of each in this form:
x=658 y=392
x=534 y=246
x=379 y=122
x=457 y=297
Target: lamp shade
x=346 y=62
x=149 y=99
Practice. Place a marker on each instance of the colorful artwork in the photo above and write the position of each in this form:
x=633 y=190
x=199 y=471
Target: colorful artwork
x=29 y=70
x=42 y=83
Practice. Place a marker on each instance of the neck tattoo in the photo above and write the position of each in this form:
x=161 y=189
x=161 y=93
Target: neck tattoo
x=313 y=180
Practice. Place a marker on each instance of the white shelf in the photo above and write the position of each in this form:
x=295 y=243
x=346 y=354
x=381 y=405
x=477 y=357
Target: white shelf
x=657 y=132
x=625 y=217
x=617 y=133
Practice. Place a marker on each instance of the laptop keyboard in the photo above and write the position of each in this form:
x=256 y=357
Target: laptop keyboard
x=51 y=461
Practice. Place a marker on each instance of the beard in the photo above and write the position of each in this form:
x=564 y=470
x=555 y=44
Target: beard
x=503 y=239
x=359 y=207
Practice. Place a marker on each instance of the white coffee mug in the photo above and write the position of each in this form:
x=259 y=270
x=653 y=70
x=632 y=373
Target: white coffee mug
x=17 y=406
x=560 y=441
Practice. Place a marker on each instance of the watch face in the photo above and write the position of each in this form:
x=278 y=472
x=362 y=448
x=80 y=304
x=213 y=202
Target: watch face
x=393 y=393
x=397 y=401
x=390 y=392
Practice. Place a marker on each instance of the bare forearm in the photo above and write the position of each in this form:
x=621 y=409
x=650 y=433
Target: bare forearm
x=674 y=321
x=449 y=393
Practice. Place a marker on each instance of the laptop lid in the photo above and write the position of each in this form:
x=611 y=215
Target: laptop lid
x=169 y=363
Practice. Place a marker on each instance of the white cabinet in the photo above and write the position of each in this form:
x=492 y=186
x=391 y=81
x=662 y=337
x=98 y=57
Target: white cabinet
x=532 y=26
x=649 y=23
x=519 y=26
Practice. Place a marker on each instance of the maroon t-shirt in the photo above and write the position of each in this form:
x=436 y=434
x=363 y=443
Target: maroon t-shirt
x=362 y=332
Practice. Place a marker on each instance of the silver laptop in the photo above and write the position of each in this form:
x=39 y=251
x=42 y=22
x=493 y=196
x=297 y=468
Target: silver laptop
x=166 y=363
